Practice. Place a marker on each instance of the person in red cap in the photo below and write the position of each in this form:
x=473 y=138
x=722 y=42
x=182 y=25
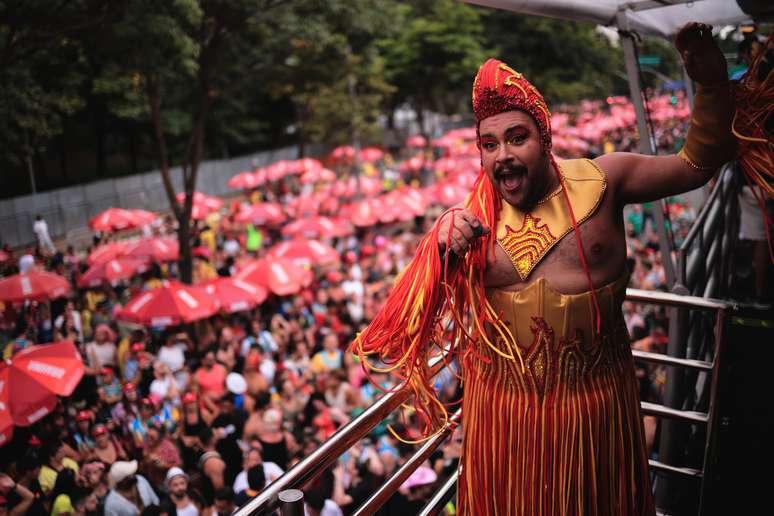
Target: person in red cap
x=108 y=387
x=532 y=267
x=106 y=449
x=82 y=434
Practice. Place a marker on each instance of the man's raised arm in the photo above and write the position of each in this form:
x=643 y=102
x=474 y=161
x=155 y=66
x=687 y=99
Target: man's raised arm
x=709 y=144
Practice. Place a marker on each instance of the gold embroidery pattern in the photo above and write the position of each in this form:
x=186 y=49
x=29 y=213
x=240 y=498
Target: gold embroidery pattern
x=526 y=246
x=571 y=361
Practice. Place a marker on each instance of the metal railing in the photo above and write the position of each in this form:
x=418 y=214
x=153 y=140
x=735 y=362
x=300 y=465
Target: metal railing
x=704 y=267
x=314 y=464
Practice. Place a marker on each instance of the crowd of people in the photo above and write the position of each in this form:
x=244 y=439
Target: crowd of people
x=156 y=426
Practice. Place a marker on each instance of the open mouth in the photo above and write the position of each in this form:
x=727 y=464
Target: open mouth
x=511 y=179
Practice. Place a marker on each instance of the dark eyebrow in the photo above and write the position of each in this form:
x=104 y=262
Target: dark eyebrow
x=509 y=130
x=516 y=126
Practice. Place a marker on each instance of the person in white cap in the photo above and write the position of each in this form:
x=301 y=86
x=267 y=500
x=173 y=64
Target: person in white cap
x=130 y=493
x=182 y=504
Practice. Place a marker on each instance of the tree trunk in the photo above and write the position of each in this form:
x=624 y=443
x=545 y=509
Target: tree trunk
x=28 y=155
x=184 y=239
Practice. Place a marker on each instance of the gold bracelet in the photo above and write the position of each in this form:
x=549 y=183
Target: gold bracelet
x=695 y=166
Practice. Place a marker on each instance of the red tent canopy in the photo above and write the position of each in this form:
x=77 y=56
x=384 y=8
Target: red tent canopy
x=110 y=271
x=246 y=180
x=159 y=249
x=114 y=219
x=318 y=227
x=172 y=303
x=107 y=252
x=262 y=214
x=303 y=252
x=32 y=379
x=280 y=276
x=234 y=294
x=34 y=285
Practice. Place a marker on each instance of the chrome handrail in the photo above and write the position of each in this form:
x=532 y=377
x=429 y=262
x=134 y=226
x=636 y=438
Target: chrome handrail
x=316 y=462
x=312 y=465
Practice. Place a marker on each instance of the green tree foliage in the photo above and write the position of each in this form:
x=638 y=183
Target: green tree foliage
x=566 y=60
x=431 y=60
x=42 y=71
x=101 y=84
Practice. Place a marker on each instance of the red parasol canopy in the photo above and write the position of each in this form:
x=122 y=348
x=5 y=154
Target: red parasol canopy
x=449 y=193
x=417 y=141
x=362 y=213
x=280 y=276
x=111 y=271
x=305 y=252
x=319 y=175
x=412 y=165
x=107 y=252
x=246 y=180
x=32 y=379
x=34 y=285
x=206 y=202
x=304 y=165
x=114 y=219
x=172 y=303
x=158 y=249
x=318 y=227
x=370 y=154
x=143 y=216
x=344 y=152
x=234 y=294
x=262 y=214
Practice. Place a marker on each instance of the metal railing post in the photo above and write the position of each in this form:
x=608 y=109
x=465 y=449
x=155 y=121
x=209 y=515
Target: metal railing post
x=291 y=502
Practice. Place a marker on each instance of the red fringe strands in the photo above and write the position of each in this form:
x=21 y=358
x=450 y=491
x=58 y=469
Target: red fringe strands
x=752 y=126
x=434 y=309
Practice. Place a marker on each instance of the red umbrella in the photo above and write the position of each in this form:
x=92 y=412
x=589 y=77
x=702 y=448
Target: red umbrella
x=159 y=249
x=143 y=216
x=304 y=165
x=318 y=227
x=362 y=213
x=172 y=303
x=319 y=175
x=412 y=165
x=417 y=141
x=262 y=214
x=305 y=252
x=111 y=271
x=343 y=152
x=207 y=202
x=32 y=379
x=246 y=180
x=280 y=276
x=449 y=193
x=278 y=170
x=34 y=284
x=234 y=294
x=107 y=252
x=113 y=219
x=371 y=154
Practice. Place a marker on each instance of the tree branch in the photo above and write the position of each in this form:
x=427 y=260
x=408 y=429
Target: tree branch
x=154 y=100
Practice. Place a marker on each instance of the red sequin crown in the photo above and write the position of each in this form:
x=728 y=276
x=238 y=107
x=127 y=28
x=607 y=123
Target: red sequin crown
x=499 y=88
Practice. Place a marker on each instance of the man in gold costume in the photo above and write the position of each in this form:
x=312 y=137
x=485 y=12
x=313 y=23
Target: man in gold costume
x=530 y=297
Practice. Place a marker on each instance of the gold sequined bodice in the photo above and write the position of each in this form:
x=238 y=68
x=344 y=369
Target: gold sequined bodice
x=556 y=334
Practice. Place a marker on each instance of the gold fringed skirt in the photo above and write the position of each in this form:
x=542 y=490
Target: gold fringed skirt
x=564 y=435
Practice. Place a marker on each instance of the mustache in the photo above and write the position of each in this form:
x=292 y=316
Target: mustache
x=508 y=169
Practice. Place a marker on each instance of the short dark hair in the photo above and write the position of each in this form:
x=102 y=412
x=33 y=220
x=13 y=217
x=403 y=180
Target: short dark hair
x=225 y=493
x=256 y=478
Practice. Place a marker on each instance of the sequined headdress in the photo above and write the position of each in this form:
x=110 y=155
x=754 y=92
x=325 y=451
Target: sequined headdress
x=499 y=88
